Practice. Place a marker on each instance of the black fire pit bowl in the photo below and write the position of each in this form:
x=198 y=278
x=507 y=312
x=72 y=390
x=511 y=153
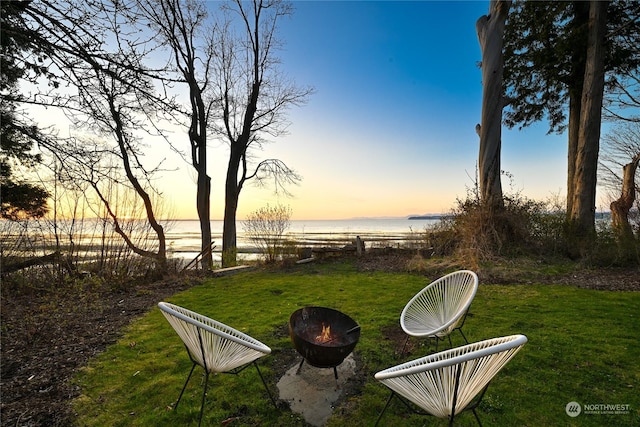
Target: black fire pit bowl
x=306 y=324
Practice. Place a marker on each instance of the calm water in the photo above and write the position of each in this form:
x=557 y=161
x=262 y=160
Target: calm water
x=183 y=237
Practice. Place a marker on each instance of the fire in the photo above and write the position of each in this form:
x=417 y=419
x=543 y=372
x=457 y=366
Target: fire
x=325 y=335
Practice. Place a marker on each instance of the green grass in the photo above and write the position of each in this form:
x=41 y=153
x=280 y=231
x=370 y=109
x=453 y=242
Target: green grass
x=583 y=346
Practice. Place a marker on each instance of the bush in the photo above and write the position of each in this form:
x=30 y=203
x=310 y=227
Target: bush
x=475 y=233
x=265 y=227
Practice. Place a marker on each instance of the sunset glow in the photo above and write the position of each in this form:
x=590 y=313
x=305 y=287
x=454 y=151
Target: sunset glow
x=391 y=128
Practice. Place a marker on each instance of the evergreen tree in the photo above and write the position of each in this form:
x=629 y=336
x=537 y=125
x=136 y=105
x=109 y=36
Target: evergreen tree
x=546 y=45
x=21 y=57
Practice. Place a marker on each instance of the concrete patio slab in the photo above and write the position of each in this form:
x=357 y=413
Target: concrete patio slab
x=313 y=391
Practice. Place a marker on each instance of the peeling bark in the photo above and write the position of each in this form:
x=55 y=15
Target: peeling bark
x=620 y=208
x=490 y=30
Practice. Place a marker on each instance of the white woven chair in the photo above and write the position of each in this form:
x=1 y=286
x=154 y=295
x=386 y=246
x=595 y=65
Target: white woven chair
x=214 y=346
x=440 y=308
x=446 y=383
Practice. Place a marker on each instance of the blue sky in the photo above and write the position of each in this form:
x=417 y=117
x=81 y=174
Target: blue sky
x=390 y=130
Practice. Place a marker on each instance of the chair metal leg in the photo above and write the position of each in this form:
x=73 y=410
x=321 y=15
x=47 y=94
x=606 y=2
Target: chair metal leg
x=477 y=417
x=385 y=407
x=462 y=324
x=204 y=395
x=463 y=336
x=265 y=385
x=455 y=395
x=206 y=376
x=185 y=386
x=406 y=341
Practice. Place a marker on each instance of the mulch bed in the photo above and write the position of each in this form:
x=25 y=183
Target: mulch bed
x=48 y=334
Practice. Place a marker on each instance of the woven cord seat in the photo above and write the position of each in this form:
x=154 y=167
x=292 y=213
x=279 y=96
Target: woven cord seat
x=440 y=308
x=214 y=346
x=446 y=383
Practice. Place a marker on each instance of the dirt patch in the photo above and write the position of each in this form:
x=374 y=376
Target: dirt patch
x=48 y=334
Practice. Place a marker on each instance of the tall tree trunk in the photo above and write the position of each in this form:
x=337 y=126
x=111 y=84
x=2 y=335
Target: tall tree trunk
x=203 y=197
x=231 y=198
x=582 y=217
x=620 y=208
x=198 y=140
x=490 y=30
x=573 y=130
x=229 y=229
x=575 y=85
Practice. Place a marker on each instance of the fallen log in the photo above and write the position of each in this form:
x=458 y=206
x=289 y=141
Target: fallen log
x=46 y=259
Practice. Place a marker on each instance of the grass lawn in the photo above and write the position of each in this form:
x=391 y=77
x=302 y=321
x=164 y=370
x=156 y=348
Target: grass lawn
x=583 y=347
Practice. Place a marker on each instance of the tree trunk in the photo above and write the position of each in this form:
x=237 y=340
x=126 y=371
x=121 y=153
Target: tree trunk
x=582 y=216
x=229 y=231
x=575 y=84
x=573 y=131
x=204 y=215
x=490 y=30
x=198 y=141
x=620 y=208
x=231 y=198
x=123 y=143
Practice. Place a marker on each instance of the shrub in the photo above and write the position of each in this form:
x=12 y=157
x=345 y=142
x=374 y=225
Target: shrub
x=265 y=227
x=475 y=232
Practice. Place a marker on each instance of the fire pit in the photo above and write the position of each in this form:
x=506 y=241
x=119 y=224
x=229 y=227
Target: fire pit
x=323 y=336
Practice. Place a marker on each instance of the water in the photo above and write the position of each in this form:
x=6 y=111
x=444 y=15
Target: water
x=183 y=236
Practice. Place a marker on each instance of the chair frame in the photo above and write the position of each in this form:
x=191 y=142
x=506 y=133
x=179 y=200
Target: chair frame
x=429 y=369
x=419 y=311
x=185 y=321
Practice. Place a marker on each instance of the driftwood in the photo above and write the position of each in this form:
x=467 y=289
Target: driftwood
x=46 y=259
x=355 y=247
x=204 y=253
x=329 y=251
x=227 y=271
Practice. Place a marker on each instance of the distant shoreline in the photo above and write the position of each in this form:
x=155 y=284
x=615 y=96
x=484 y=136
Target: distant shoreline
x=435 y=217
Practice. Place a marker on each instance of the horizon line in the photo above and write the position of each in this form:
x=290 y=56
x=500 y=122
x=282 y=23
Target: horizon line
x=332 y=219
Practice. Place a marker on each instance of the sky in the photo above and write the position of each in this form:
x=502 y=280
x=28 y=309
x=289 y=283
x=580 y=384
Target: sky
x=390 y=129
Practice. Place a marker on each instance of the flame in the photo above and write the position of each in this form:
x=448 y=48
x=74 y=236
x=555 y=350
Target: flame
x=325 y=335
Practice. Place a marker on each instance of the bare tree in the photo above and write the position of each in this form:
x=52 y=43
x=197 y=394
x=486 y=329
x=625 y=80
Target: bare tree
x=619 y=162
x=107 y=92
x=119 y=124
x=251 y=98
x=182 y=26
x=490 y=29
x=624 y=95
